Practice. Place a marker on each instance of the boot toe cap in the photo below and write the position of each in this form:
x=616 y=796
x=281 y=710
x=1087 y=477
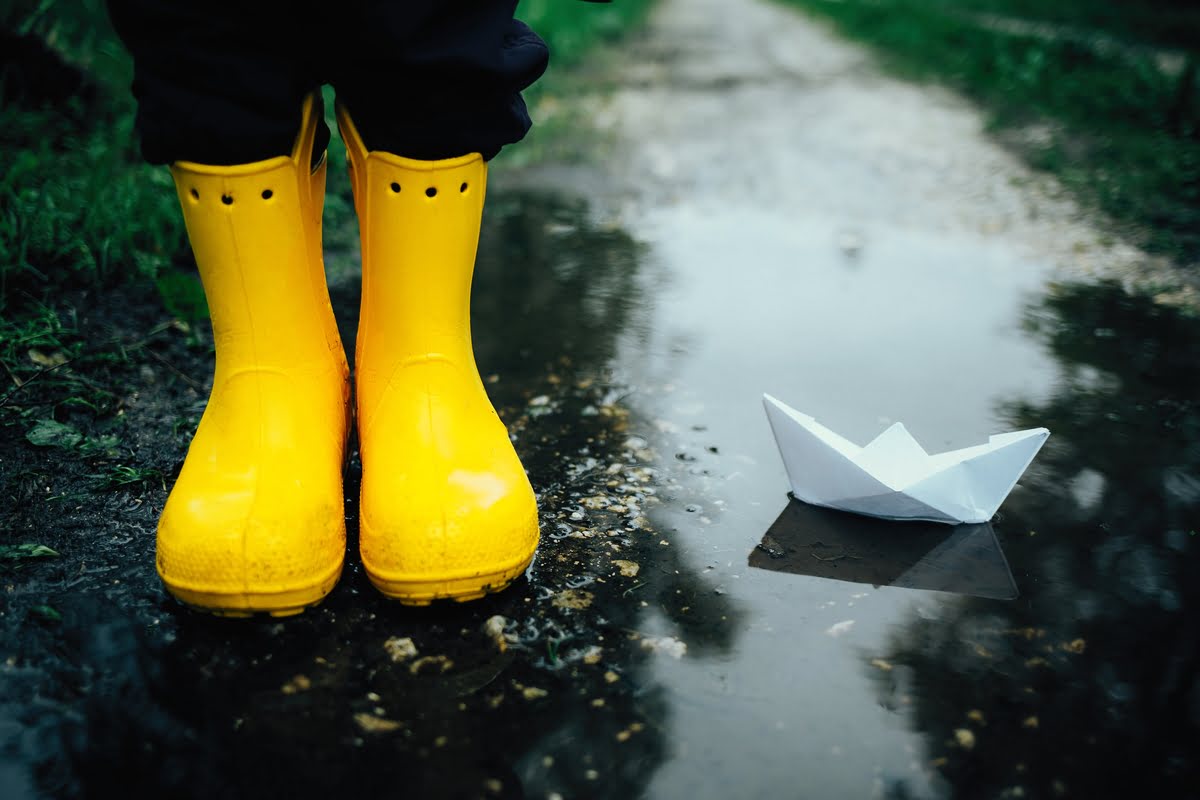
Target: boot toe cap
x=212 y=554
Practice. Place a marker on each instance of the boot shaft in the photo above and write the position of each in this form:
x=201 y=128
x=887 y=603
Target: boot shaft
x=419 y=224
x=255 y=231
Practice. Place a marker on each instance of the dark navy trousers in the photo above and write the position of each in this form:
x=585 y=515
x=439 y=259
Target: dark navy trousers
x=222 y=81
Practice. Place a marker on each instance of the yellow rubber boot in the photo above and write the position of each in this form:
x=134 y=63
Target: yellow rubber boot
x=446 y=508
x=256 y=521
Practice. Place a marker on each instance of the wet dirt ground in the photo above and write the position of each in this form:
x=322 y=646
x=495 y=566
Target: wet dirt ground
x=766 y=213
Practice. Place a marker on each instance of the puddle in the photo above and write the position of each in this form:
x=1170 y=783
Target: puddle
x=920 y=328
x=896 y=688
x=646 y=654
x=958 y=559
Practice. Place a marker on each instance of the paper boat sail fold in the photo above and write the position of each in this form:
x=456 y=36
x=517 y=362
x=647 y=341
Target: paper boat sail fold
x=893 y=477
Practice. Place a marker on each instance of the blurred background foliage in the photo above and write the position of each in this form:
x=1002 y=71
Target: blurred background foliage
x=1101 y=93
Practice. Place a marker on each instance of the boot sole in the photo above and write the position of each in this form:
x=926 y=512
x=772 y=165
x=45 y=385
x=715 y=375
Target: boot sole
x=242 y=605
x=421 y=590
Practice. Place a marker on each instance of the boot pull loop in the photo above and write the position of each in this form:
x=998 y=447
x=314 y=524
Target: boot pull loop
x=356 y=154
x=302 y=149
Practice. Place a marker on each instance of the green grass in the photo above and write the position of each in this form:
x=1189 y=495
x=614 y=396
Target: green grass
x=78 y=208
x=571 y=29
x=79 y=211
x=119 y=476
x=1109 y=87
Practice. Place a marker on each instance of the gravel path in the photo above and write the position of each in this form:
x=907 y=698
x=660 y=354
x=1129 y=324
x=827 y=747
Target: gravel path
x=750 y=105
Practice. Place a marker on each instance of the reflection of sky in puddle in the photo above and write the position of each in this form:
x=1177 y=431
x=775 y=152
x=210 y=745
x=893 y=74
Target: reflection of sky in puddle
x=916 y=326
x=919 y=326
x=959 y=559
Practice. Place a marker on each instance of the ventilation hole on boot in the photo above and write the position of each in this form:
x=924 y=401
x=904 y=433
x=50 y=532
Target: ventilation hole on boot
x=463 y=189
x=396 y=188
x=431 y=192
x=226 y=199
x=268 y=194
x=195 y=195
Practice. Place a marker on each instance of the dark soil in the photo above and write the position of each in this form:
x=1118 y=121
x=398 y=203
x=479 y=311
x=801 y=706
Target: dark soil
x=112 y=688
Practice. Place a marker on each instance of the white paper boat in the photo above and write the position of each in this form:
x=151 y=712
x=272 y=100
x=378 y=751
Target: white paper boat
x=893 y=477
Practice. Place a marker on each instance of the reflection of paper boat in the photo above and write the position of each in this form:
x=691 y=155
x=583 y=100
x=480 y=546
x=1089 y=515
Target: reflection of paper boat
x=893 y=477
x=964 y=559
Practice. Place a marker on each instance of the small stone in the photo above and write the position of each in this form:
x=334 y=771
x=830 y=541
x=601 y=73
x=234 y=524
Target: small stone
x=369 y=723
x=1076 y=646
x=400 y=649
x=440 y=664
x=629 y=569
x=576 y=599
x=976 y=716
x=611 y=677
x=964 y=738
x=593 y=655
x=533 y=693
x=494 y=628
x=667 y=645
x=300 y=683
x=1030 y=722
x=880 y=664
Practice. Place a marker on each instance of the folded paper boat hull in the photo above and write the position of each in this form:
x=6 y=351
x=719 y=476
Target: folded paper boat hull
x=893 y=477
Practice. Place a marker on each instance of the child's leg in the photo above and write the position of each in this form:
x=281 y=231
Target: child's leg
x=255 y=521
x=219 y=82
x=436 y=79
x=446 y=509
